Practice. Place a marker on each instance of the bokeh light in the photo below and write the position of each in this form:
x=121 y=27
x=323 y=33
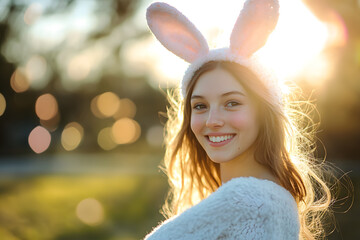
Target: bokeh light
x=108 y=104
x=19 y=82
x=32 y=13
x=126 y=130
x=35 y=70
x=78 y=68
x=90 y=211
x=46 y=107
x=2 y=104
x=154 y=136
x=72 y=136
x=105 y=105
x=127 y=109
x=94 y=108
x=105 y=139
x=39 y=139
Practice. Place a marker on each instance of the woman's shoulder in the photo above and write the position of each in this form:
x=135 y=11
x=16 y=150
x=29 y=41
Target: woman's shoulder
x=250 y=193
x=252 y=189
x=242 y=208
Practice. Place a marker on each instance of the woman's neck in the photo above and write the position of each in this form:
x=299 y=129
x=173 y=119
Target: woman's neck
x=244 y=166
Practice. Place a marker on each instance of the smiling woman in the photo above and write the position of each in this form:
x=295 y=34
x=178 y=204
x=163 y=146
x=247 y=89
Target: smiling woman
x=239 y=166
x=223 y=118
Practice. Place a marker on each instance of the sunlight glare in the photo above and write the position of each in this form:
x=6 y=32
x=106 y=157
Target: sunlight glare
x=318 y=68
x=298 y=37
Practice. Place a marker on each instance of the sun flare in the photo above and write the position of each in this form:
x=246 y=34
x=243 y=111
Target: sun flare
x=297 y=41
x=298 y=38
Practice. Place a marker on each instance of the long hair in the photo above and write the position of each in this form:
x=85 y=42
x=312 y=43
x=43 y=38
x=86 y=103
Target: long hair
x=285 y=145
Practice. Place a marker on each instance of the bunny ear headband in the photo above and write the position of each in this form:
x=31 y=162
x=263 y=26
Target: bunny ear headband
x=256 y=21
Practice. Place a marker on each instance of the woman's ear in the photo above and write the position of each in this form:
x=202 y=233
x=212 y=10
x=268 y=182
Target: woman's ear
x=255 y=23
x=176 y=32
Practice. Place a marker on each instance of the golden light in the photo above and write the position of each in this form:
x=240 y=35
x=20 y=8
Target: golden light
x=46 y=107
x=318 y=68
x=2 y=104
x=125 y=130
x=298 y=37
x=83 y=66
x=79 y=67
x=90 y=211
x=337 y=31
x=19 y=82
x=94 y=108
x=32 y=13
x=154 y=135
x=127 y=109
x=39 y=139
x=72 y=136
x=35 y=71
x=105 y=139
x=108 y=104
x=297 y=40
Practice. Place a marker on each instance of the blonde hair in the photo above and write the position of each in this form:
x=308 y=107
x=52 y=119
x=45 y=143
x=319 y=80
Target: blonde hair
x=285 y=145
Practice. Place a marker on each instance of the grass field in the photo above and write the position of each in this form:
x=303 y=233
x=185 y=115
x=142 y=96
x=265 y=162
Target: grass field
x=111 y=200
x=53 y=207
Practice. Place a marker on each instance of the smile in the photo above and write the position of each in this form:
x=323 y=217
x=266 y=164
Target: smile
x=219 y=139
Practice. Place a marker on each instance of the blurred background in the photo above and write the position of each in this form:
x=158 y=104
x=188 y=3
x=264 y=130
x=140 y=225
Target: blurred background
x=82 y=91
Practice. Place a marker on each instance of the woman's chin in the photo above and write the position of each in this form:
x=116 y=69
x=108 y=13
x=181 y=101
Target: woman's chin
x=219 y=159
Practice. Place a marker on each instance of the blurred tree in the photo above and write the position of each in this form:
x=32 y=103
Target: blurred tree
x=70 y=49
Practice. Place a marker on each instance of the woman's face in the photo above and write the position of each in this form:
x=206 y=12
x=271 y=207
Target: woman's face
x=223 y=116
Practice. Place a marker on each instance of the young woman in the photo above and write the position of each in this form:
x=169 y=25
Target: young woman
x=238 y=166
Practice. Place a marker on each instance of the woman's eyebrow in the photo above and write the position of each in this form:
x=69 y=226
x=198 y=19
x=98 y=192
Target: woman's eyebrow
x=233 y=92
x=222 y=95
x=196 y=96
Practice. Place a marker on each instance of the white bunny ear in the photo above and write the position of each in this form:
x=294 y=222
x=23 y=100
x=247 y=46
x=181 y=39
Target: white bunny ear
x=176 y=32
x=255 y=23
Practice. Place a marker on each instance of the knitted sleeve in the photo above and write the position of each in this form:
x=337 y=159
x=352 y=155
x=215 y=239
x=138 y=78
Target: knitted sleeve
x=243 y=208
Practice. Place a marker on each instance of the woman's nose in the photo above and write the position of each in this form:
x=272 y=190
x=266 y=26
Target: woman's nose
x=214 y=119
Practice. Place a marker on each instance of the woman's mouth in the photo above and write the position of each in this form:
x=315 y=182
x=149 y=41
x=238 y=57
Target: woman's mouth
x=219 y=140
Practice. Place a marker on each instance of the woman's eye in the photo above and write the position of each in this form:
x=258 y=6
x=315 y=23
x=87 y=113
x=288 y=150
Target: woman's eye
x=232 y=104
x=199 y=106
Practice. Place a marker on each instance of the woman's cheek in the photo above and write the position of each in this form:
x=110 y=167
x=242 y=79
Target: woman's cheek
x=196 y=123
x=239 y=120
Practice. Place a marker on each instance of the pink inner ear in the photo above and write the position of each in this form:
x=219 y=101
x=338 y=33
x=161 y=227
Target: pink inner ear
x=254 y=25
x=182 y=38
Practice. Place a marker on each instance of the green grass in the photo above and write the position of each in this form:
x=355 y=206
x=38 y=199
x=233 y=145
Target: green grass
x=44 y=207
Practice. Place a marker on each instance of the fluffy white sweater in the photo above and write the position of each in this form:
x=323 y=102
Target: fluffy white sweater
x=243 y=208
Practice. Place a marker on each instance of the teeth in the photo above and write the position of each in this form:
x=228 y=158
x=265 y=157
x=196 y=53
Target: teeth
x=220 y=138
